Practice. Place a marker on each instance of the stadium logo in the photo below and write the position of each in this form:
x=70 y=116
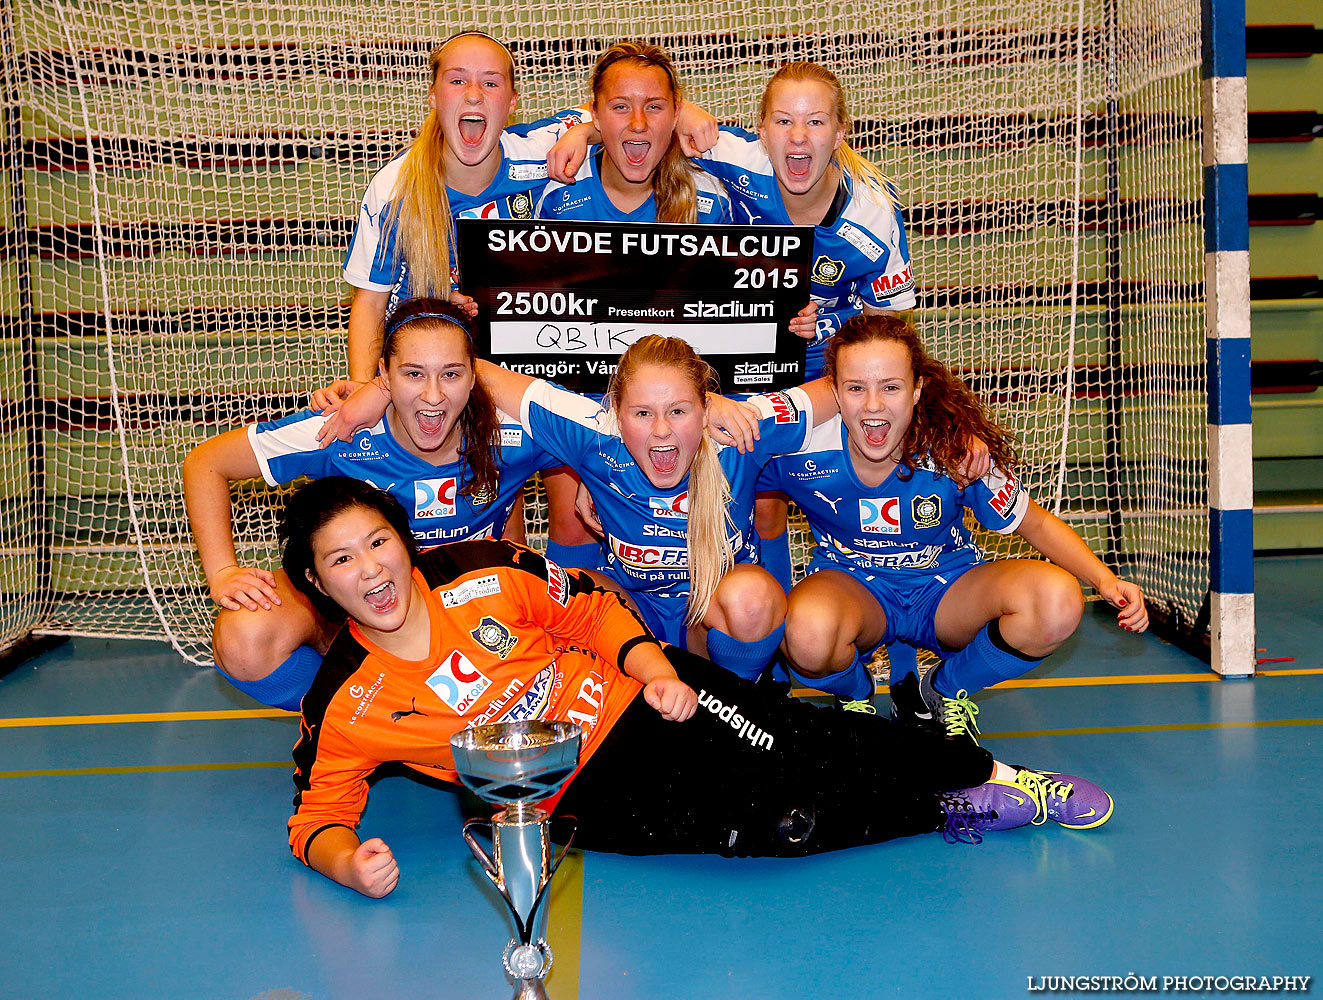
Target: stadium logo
x=520 y=206
x=880 y=515
x=648 y=556
x=458 y=683
x=783 y=408
x=1004 y=499
x=670 y=506
x=494 y=636
x=826 y=271
x=926 y=512
x=887 y=285
x=434 y=497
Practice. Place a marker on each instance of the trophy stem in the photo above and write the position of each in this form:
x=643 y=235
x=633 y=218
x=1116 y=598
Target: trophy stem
x=522 y=852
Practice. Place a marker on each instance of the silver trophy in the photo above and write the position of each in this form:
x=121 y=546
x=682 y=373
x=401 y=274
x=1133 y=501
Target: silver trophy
x=514 y=764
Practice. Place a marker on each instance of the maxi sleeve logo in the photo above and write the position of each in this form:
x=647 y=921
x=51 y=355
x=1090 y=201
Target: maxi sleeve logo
x=1004 y=499
x=887 y=285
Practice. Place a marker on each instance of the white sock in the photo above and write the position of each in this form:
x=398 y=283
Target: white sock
x=1002 y=772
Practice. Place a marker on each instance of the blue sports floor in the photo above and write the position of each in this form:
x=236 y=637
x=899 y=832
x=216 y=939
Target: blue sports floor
x=144 y=852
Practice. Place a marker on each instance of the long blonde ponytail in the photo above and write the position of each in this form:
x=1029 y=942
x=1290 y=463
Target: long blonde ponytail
x=709 y=526
x=420 y=203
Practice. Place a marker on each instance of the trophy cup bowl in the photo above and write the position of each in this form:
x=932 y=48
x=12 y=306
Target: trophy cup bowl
x=513 y=765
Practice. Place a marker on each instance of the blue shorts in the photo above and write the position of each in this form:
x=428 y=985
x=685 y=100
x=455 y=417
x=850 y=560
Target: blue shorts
x=664 y=616
x=909 y=601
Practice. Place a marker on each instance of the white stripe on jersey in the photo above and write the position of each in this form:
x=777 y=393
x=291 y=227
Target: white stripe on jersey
x=294 y=438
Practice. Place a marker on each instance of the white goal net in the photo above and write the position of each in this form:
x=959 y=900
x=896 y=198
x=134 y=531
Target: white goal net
x=182 y=178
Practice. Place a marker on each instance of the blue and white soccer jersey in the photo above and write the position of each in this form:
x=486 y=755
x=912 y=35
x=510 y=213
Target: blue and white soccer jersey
x=288 y=448
x=370 y=261
x=905 y=540
x=586 y=200
x=860 y=257
x=646 y=526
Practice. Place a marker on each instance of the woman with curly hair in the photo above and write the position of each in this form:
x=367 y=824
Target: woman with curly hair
x=894 y=559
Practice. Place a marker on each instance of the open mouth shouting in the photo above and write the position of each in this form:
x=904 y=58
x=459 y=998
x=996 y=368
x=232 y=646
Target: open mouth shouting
x=876 y=431
x=636 y=151
x=799 y=166
x=382 y=599
x=665 y=459
x=472 y=128
x=431 y=422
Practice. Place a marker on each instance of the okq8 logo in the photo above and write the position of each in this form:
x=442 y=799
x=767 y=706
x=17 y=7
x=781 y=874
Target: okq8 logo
x=458 y=682
x=434 y=497
x=880 y=515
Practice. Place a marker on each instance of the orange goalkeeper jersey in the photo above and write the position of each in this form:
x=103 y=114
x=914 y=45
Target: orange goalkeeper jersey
x=513 y=637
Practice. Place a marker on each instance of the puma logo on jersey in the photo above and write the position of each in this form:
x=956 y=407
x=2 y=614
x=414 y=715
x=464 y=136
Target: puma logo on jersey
x=830 y=503
x=413 y=710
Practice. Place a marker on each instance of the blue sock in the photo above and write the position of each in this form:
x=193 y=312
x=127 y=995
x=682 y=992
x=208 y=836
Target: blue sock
x=904 y=661
x=744 y=659
x=285 y=686
x=984 y=662
x=585 y=556
x=774 y=554
x=854 y=683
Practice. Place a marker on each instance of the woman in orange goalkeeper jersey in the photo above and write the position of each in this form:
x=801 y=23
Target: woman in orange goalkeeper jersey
x=679 y=756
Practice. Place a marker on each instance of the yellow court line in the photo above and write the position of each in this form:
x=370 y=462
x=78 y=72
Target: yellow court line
x=564 y=918
x=103 y=720
x=278 y=713
x=565 y=927
x=1171 y=728
x=1050 y=682
x=1059 y=682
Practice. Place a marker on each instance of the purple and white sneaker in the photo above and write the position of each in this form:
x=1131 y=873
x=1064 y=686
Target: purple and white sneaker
x=993 y=805
x=1073 y=802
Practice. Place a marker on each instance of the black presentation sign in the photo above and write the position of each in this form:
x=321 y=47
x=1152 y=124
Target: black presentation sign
x=562 y=300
